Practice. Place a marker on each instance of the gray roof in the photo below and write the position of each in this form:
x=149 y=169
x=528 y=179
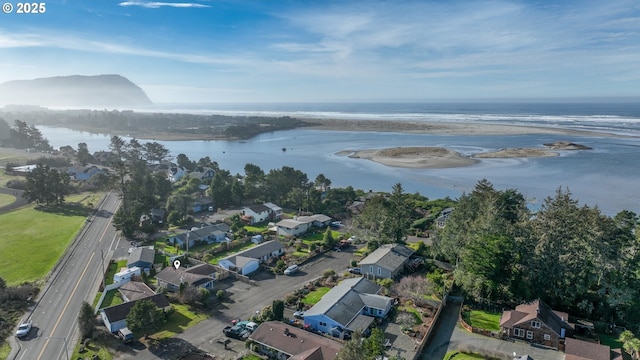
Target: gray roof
x=360 y=322
x=375 y=301
x=257 y=251
x=175 y=277
x=120 y=312
x=259 y=208
x=135 y=290
x=204 y=232
x=315 y=217
x=388 y=256
x=344 y=302
x=141 y=254
x=202 y=269
x=289 y=223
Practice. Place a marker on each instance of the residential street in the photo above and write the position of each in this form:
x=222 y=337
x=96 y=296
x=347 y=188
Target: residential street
x=246 y=299
x=75 y=279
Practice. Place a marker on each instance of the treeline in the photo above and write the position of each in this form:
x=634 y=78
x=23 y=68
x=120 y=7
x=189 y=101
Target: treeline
x=130 y=122
x=23 y=136
x=573 y=257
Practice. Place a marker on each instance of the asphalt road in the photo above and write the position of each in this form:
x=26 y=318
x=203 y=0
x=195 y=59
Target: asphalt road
x=245 y=300
x=75 y=279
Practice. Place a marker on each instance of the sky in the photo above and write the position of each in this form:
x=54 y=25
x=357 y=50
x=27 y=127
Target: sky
x=207 y=51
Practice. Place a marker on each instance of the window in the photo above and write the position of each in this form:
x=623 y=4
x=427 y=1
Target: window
x=323 y=323
x=379 y=271
x=518 y=332
x=529 y=334
x=547 y=337
x=371 y=269
x=535 y=324
x=380 y=311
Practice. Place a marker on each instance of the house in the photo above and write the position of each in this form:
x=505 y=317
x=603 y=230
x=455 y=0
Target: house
x=301 y=224
x=387 y=261
x=104 y=157
x=256 y=214
x=536 y=323
x=204 y=174
x=441 y=221
x=247 y=261
x=207 y=234
x=135 y=290
x=317 y=220
x=115 y=317
x=155 y=216
x=203 y=269
x=584 y=350
x=278 y=340
x=203 y=203
x=276 y=211
x=175 y=172
x=84 y=173
x=351 y=305
x=126 y=274
x=171 y=278
x=291 y=227
x=142 y=257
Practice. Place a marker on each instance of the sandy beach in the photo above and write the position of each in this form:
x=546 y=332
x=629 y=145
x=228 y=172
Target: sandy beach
x=440 y=128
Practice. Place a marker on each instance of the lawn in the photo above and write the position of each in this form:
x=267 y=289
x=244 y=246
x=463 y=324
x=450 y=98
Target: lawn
x=181 y=319
x=112 y=298
x=313 y=297
x=113 y=268
x=224 y=254
x=5 y=349
x=255 y=229
x=610 y=340
x=94 y=348
x=456 y=355
x=251 y=357
x=483 y=320
x=6 y=199
x=318 y=236
x=33 y=241
x=412 y=310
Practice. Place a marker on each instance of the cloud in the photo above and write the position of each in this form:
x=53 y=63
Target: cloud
x=157 y=4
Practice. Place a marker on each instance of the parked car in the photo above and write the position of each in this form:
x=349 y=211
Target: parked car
x=356 y=271
x=298 y=314
x=126 y=335
x=291 y=269
x=24 y=328
x=236 y=332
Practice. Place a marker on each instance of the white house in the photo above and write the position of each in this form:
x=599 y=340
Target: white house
x=291 y=227
x=255 y=214
x=276 y=211
x=175 y=173
x=115 y=317
x=247 y=261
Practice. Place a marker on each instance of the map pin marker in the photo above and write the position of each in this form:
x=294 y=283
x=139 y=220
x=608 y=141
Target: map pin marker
x=176 y=264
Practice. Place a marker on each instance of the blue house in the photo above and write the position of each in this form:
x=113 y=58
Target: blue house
x=141 y=257
x=84 y=173
x=351 y=305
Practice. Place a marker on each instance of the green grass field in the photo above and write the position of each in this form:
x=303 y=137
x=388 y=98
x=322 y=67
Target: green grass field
x=483 y=320
x=610 y=340
x=181 y=319
x=113 y=268
x=112 y=298
x=6 y=199
x=456 y=355
x=32 y=242
x=5 y=349
x=313 y=297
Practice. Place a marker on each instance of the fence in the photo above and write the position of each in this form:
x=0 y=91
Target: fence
x=475 y=330
x=107 y=289
x=427 y=335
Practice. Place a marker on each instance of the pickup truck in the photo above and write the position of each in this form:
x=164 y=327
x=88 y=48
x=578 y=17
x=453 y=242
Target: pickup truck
x=236 y=332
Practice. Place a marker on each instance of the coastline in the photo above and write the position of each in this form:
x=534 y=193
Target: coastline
x=413 y=157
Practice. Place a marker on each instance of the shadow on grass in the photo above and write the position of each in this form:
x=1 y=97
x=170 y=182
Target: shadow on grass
x=176 y=323
x=67 y=209
x=171 y=348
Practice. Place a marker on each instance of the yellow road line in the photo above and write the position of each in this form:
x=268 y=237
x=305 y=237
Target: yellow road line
x=66 y=306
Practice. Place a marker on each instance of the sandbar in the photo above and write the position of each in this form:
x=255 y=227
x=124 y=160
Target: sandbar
x=413 y=157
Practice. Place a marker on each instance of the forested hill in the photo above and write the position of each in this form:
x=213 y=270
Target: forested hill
x=111 y=91
x=159 y=126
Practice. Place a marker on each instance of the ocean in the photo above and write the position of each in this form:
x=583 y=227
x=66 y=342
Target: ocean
x=606 y=176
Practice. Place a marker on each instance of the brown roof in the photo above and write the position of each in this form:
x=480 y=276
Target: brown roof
x=536 y=309
x=135 y=290
x=299 y=344
x=584 y=350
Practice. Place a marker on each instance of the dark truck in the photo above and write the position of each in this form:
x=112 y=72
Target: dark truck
x=236 y=332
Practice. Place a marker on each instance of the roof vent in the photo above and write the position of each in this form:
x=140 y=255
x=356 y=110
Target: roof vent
x=302 y=340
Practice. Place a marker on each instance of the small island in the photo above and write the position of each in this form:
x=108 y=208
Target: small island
x=425 y=157
x=413 y=157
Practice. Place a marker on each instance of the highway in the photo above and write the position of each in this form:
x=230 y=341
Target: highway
x=75 y=279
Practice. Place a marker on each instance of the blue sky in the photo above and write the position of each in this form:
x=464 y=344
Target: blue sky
x=317 y=51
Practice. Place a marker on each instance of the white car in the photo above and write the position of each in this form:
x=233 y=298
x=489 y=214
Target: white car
x=291 y=269
x=24 y=328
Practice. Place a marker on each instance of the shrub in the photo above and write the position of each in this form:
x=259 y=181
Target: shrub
x=220 y=294
x=328 y=273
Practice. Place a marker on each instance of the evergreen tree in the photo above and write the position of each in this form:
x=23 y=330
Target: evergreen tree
x=86 y=320
x=144 y=317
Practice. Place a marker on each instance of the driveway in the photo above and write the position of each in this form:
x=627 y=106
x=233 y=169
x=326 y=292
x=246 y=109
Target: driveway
x=448 y=336
x=245 y=300
x=19 y=202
